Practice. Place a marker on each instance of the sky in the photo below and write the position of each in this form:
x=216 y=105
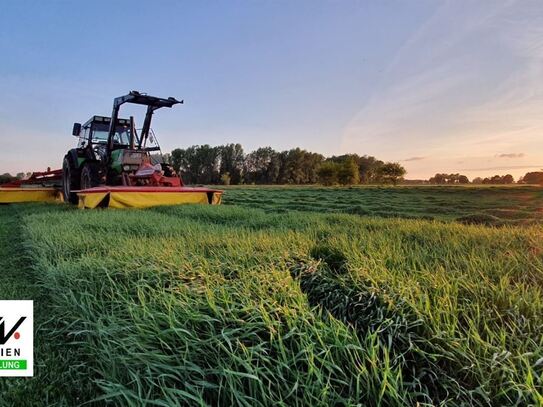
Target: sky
x=439 y=86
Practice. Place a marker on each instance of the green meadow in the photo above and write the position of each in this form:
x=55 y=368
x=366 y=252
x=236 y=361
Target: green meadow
x=486 y=205
x=300 y=296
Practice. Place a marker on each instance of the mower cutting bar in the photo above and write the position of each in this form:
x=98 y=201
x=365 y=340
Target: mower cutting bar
x=48 y=178
x=26 y=194
x=39 y=187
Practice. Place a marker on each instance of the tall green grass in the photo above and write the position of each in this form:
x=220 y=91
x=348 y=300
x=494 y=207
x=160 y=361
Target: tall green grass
x=58 y=375
x=227 y=305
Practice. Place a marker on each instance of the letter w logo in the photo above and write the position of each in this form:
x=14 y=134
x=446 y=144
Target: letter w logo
x=4 y=338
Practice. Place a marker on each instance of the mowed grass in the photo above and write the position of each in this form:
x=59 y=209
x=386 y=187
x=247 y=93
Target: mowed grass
x=231 y=305
x=485 y=205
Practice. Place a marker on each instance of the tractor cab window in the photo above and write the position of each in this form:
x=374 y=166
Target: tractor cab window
x=83 y=137
x=100 y=132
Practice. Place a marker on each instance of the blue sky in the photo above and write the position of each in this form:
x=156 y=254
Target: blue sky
x=439 y=86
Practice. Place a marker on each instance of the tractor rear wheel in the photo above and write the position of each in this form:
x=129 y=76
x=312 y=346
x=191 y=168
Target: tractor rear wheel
x=90 y=177
x=70 y=181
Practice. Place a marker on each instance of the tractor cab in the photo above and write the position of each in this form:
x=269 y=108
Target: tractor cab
x=93 y=136
x=95 y=132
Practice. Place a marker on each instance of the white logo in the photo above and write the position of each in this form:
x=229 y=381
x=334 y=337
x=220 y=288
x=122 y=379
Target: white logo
x=16 y=338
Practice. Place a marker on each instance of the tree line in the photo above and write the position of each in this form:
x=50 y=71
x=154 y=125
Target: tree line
x=228 y=164
x=462 y=179
x=449 y=179
x=496 y=180
x=535 y=177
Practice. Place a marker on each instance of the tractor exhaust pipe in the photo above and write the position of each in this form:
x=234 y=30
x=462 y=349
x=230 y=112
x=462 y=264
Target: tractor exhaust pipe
x=132 y=133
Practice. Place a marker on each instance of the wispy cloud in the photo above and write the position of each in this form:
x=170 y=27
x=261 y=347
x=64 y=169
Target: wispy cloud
x=414 y=159
x=444 y=95
x=510 y=155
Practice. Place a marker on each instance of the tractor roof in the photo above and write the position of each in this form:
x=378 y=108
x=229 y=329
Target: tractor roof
x=104 y=119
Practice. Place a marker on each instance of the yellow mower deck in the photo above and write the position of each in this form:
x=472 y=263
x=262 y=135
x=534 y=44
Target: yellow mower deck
x=18 y=195
x=144 y=197
x=116 y=197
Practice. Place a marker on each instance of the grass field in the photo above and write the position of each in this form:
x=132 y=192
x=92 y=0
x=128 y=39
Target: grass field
x=494 y=205
x=235 y=305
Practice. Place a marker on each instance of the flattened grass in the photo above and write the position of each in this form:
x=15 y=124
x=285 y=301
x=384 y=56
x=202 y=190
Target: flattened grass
x=228 y=305
x=485 y=205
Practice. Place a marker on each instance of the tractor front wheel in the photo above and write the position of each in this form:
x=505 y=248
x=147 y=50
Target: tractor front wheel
x=70 y=181
x=90 y=176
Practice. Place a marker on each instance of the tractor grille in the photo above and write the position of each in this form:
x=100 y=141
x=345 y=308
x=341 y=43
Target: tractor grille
x=133 y=157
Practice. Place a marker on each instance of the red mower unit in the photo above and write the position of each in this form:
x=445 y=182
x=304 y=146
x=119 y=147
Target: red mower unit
x=39 y=187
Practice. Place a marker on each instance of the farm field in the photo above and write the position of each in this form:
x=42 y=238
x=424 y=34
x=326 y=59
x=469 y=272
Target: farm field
x=490 y=205
x=284 y=296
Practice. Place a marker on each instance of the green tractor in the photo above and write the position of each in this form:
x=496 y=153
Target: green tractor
x=110 y=152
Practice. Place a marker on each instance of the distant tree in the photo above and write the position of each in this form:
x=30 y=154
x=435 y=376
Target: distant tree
x=197 y=164
x=20 y=175
x=207 y=159
x=347 y=172
x=179 y=159
x=290 y=171
x=6 y=177
x=391 y=172
x=274 y=168
x=535 y=177
x=477 y=180
x=367 y=166
x=496 y=179
x=449 y=179
x=438 y=179
x=311 y=164
x=261 y=166
x=508 y=179
x=298 y=166
x=453 y=178
x=328 y=173
x=231 y=162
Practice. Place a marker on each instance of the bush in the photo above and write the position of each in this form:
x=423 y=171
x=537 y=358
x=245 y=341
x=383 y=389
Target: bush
x=225 y=179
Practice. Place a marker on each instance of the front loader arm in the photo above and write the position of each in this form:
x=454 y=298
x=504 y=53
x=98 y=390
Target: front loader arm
x=152 y=102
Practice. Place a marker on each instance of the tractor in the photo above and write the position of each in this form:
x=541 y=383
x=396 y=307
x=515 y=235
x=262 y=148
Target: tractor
x=111 y=152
